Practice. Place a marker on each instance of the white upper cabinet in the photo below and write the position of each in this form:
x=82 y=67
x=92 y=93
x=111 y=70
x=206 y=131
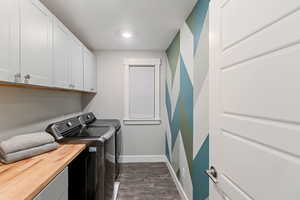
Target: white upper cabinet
x=76 y=64
x=36 y=48
x=9 y=40
x=61 y=55
x=90 y=71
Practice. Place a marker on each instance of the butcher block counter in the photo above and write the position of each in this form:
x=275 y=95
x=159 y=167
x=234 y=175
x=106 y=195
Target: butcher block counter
x=25 y=179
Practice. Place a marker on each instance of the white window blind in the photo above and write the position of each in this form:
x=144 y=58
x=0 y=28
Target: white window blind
x=142 y=91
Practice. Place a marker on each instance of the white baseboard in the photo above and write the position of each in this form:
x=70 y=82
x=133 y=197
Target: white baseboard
x=177 y=182
x=156 y=158
x=142 y=158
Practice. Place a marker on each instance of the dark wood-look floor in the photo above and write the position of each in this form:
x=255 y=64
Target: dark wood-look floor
x=146 y=181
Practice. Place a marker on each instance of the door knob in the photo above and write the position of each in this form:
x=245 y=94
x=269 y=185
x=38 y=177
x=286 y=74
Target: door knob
x=212 y=174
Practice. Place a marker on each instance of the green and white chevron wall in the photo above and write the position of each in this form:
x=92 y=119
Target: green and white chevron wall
x=186 y=103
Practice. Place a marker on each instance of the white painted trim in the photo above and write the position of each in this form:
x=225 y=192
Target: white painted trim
x=141 y=122
x=155 y=62
x=126 y=92
x=147 y=61
x=142 y=158
x=116 y=190
x=157 y=89
x=177 y=182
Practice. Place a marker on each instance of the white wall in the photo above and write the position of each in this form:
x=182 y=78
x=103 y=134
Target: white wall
x=109 y=102
x=28 y=110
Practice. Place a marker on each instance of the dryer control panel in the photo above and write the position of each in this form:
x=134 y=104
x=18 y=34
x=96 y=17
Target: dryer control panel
x=65 y=128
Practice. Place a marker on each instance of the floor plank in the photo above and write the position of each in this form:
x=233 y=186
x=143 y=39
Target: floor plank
x=147 y=181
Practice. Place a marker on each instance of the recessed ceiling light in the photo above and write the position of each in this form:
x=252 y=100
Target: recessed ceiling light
x=126 y=34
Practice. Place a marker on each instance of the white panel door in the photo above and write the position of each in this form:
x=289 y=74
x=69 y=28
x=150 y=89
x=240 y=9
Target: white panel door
x=9 y=40
x=61 y=55
x=36 y=57
x=76 y=64
x=255 y=99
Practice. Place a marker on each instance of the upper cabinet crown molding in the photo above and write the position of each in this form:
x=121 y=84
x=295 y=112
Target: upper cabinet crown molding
x=37 y=49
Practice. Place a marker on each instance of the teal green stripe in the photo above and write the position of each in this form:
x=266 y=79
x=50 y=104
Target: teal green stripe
x=196 y=20
x=167 y=148
x=173 y=53
x=199 y=178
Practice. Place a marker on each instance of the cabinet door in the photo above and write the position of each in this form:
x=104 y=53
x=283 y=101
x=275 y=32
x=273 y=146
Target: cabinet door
x=61 y=55
x=57 y=189
x=88 y=71
x=76 y=64
x=94 y=74
x=9 y=40
x=36 y=58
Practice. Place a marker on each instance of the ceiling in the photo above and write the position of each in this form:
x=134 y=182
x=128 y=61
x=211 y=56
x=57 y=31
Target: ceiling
x=99 y=23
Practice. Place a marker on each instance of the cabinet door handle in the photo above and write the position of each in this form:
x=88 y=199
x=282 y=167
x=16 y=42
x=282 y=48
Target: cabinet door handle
x=17 y=77
x=27 y=77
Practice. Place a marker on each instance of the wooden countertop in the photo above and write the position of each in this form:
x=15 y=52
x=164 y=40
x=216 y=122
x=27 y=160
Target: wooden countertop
x=23 y=180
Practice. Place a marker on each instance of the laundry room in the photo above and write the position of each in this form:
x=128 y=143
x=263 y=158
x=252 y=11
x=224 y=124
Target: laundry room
x=149 y=100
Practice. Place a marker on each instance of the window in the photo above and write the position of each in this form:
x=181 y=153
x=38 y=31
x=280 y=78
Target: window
x=142 y=91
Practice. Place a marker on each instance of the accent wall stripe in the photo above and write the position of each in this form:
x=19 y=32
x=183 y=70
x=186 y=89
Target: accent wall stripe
x=173 y=54
x=167 y=149
x=196 y=19
x=200 y=179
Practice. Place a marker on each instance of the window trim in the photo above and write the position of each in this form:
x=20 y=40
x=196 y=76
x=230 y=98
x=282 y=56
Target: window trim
x=155 y=62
